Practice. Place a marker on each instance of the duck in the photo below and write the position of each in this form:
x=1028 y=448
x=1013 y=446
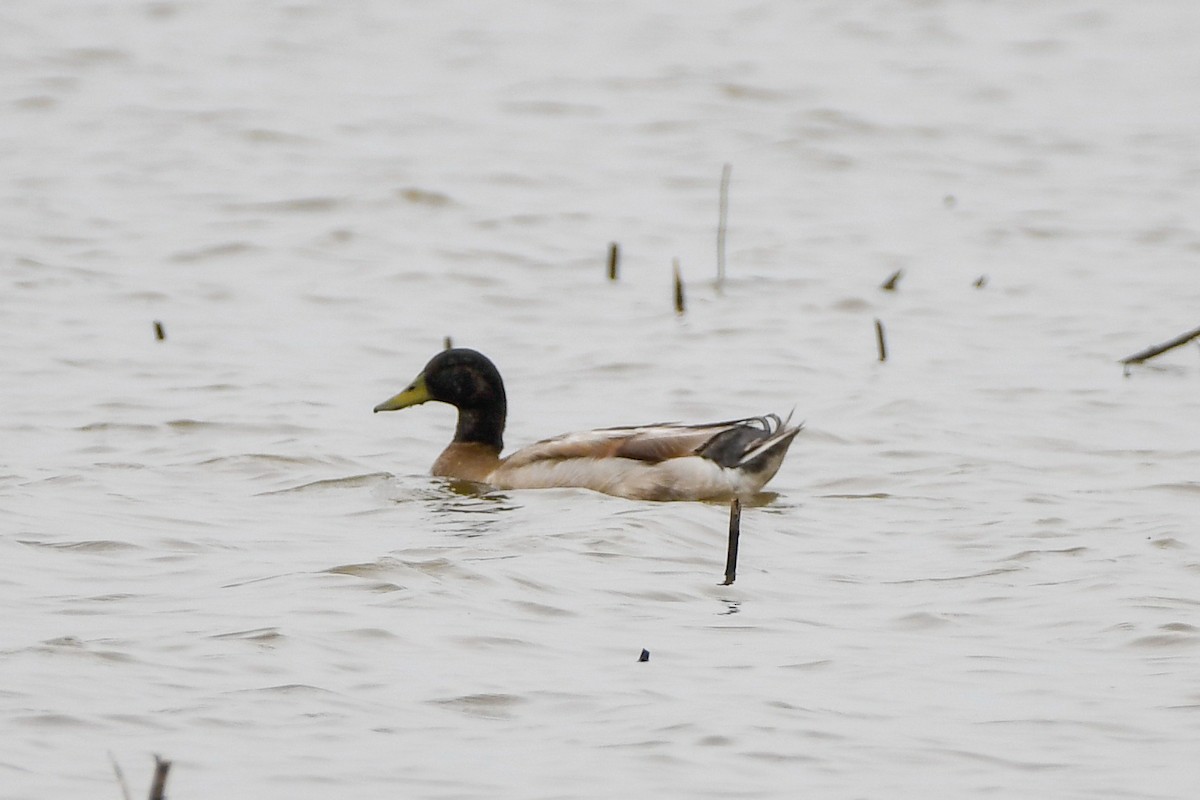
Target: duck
x=661 y=461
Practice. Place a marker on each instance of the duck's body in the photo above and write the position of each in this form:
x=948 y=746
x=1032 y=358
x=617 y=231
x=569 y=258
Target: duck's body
x=650 y=462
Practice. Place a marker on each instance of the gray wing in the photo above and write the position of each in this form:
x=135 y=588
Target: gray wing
x=724 y=442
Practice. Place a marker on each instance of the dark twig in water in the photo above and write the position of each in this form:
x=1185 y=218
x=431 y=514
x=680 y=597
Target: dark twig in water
x=890 y=284
x=735 y=533
x=159 y=333
x=120 y=777
x=447 y=343
x=722 y=222
x=159 y=786
x=879 y=340
x=614 y=254
x=680 y=305
x=1158 y=349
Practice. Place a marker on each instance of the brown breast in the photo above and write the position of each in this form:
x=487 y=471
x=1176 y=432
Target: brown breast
x=468 y=461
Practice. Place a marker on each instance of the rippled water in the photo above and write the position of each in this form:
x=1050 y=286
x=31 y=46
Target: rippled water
x=979 y=575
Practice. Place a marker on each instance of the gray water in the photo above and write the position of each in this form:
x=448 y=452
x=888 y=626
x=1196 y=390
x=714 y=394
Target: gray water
x=978 y=575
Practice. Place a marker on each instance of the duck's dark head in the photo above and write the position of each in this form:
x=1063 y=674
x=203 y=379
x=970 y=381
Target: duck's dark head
x=467 y=380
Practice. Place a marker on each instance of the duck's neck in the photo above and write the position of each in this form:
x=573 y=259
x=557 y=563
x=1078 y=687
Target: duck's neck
x=482 y=425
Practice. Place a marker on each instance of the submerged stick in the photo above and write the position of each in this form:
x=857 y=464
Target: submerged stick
x=159 y=332
x=735 y=533
x=722 y=220
x=679 y=300
x=614 y=251
x=159 y=786
x=1158 y=349
x=879 y=340
x=890 y=284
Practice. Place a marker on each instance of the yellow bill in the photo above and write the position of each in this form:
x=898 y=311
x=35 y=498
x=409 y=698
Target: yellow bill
x=415 y=394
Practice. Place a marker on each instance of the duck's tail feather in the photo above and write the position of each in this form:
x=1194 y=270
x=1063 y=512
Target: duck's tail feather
x=751 y=443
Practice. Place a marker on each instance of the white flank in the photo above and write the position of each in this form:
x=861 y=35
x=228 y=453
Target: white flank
x=677 y=478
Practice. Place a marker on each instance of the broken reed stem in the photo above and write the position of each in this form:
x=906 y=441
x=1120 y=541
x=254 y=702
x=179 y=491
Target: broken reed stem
x=735 y=533
x=159 y=786
x=890 y=284
x=679 y=299
x=120 y=777
x=879 y=340
x=722 y=222
x=1158 y=349
x=159 y=333
x=614 y=252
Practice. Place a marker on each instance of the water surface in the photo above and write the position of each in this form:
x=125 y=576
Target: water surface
x=978 y=576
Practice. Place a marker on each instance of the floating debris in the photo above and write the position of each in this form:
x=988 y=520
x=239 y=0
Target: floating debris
x=158 y=787
x=890 y=284
x=1159 y=349
x=679 y=299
